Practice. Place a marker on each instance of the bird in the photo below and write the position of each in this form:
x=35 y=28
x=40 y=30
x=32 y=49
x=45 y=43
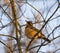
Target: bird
x=30 y=31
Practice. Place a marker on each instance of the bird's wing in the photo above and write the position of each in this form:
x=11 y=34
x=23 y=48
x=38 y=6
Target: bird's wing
x=35 y=29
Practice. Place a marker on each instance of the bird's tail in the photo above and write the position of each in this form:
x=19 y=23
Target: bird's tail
x=47 y=39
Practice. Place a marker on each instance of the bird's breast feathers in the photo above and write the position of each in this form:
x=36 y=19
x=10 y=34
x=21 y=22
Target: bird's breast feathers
x=31 y=32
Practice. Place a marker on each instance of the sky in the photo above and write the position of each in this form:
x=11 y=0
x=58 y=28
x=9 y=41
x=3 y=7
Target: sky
x=42 y=7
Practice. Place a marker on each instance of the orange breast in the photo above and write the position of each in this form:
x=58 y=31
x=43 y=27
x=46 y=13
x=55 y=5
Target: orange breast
x=30 y=33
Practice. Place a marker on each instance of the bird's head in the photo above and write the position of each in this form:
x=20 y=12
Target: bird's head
x=29 y=23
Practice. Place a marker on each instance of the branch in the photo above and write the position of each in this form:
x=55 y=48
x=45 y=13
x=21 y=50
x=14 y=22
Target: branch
x=6 y=46
x=7 y=36
x=16 y=24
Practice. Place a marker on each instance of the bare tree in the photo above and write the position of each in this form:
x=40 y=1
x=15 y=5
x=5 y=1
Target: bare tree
x=45 y=17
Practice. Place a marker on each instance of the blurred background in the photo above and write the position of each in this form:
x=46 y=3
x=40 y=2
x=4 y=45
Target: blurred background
x=40 y=12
